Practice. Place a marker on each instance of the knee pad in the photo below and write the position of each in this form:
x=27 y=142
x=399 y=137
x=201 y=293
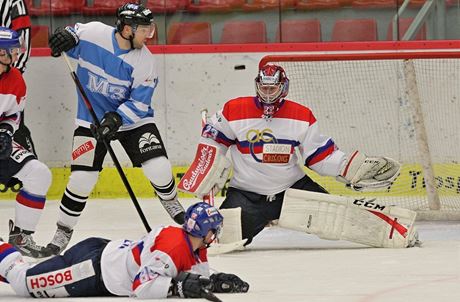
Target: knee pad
x=36 y=177
x=82 y=182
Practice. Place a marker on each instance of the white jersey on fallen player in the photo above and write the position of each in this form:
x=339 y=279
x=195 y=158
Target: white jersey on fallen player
x=263 y=150
x=113 y=79
x=146 y=267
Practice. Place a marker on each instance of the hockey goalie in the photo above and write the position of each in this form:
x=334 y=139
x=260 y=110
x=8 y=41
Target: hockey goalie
x=260 y=135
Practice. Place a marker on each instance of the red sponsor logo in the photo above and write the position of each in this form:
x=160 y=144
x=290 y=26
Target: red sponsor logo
x=275 y=158
x=199 y=169
x=44 y=281
x=82 y=149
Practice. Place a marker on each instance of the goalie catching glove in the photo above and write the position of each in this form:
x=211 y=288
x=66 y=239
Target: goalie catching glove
x=209 y=169
x=364 y=173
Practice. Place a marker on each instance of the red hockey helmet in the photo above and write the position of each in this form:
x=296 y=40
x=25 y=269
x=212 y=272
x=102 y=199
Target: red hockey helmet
x=272 y=84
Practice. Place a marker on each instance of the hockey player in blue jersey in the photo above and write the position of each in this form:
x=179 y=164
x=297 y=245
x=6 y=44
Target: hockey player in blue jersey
x=118 y=74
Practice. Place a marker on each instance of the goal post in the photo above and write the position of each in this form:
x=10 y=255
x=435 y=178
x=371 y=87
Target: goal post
x=399 y=101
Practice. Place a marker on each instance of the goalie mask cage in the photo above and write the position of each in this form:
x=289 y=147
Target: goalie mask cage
x=400 y=100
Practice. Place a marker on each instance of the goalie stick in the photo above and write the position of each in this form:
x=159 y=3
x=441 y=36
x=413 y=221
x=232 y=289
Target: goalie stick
x=106 y=143
x=218 y=248
x=209 y=198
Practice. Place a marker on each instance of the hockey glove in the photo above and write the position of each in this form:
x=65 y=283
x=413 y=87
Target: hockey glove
x=228 y=283
x=6 y=140
x=362 y=173
x=63 y=39
x=110 y=124
x=188 y=285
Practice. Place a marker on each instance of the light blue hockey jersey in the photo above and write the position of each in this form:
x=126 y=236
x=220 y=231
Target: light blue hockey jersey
x=113 y=79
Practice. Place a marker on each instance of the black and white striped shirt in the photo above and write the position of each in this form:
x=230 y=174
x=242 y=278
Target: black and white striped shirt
x=14 y=14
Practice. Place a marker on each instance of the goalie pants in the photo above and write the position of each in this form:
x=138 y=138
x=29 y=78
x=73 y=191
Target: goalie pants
x=88 y=249
x=258 y=210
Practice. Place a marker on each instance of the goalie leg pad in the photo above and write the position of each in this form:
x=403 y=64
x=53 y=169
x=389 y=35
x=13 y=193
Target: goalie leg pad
x=231 y=231
x=231 y=238
x=344 y=218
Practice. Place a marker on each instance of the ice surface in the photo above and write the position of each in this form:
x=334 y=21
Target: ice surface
x=283 y=265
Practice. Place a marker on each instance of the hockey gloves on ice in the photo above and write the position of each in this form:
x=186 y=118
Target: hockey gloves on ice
x=110 y=124
x=6 y=140
x=63 y=39
x=228 y=283
x=188 y=285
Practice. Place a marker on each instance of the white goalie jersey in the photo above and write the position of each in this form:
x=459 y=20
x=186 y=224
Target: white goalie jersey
x=263 y=150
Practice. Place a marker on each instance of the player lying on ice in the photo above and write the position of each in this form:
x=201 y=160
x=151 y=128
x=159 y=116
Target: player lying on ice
x=261 y=133
x=168 y=261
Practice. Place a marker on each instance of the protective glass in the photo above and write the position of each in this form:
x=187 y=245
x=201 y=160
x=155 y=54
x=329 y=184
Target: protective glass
x=146 y=30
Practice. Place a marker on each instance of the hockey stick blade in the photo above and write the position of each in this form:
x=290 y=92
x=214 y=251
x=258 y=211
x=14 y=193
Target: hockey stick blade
x=208 y=295
x=224 y=248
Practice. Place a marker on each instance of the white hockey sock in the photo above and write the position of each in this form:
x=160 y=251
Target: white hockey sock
x=36 y=179
x=158 y=171
x=73 y=202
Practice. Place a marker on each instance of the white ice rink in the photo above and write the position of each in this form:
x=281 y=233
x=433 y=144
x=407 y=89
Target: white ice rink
x=283 y=265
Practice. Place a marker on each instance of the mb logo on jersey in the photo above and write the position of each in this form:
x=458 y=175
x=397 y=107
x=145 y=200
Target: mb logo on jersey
x=98 y=84
x=149 y=142
x=264 y=142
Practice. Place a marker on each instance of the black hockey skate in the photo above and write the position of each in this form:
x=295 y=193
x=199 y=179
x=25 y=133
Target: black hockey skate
x=174 y=209
x=22 y=240
x=60 y=240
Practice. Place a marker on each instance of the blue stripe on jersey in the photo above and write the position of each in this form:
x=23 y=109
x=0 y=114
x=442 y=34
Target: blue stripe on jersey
x=246 y=144
x=143 y=94
x=330 y=143
x=107 y=79
x=5 y=250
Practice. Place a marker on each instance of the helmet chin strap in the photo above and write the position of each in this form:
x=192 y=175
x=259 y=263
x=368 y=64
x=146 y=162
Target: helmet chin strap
x=130 y=39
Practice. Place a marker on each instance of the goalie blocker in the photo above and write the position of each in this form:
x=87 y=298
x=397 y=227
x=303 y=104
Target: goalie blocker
x=208 y=170
x=363 y=221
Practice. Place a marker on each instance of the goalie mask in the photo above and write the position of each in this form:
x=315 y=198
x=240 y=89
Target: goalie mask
x=201 y=218
x=10 y=45
x=272 y=87
x=138 y=17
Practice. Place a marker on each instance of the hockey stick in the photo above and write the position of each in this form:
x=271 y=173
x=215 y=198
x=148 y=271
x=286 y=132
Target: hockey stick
x=209 y=198
x=209 y=295
x=107 y=143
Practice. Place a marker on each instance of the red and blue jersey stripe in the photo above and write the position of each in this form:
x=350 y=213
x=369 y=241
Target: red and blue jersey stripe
x=30 y=200
x=321 y=153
